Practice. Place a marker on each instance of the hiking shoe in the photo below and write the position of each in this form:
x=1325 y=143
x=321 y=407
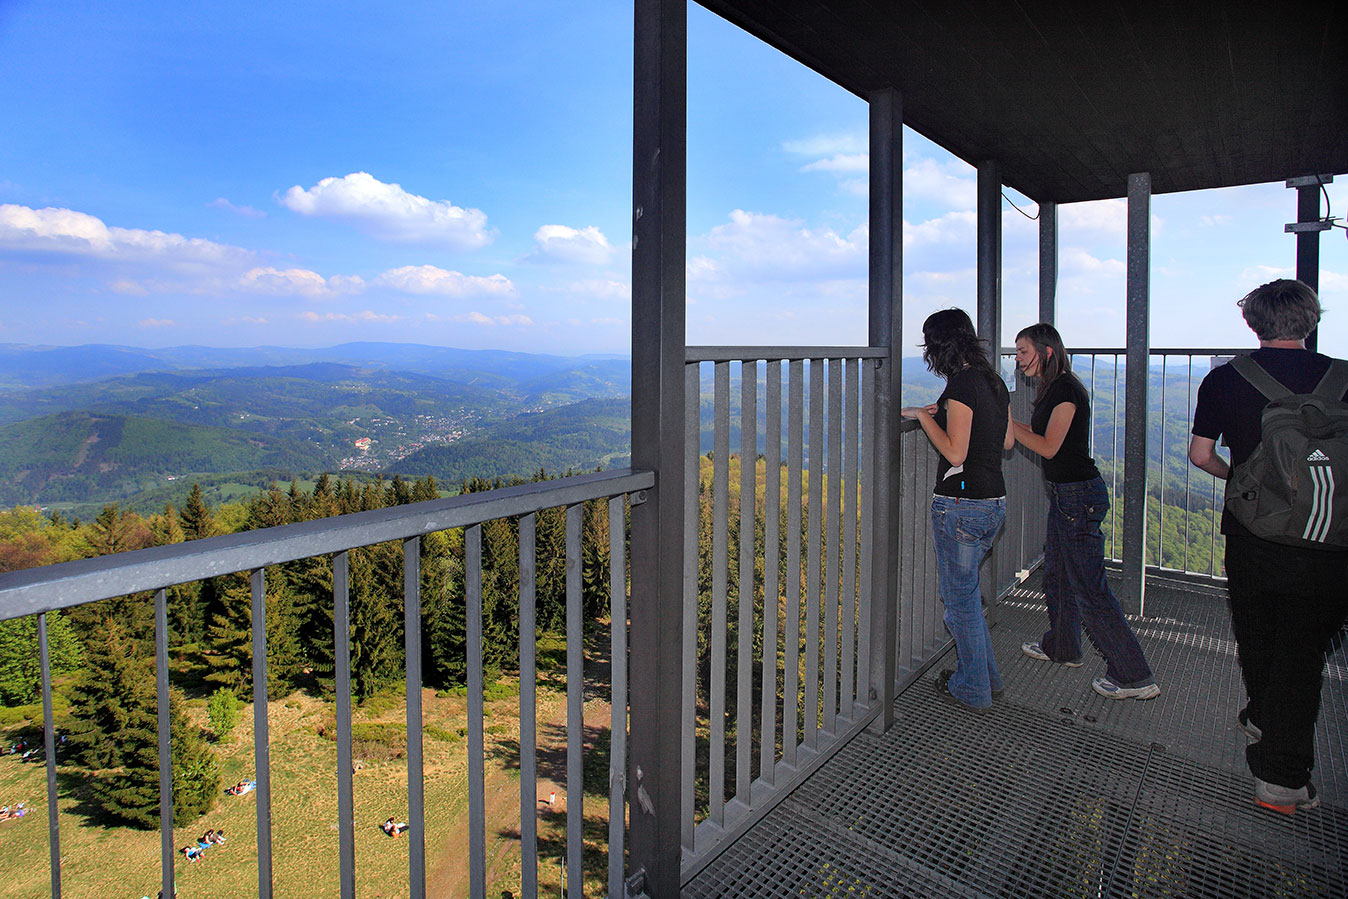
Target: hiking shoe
x=1110 y=690
x=1284 y=800
x=1249 y=727
x=1035 y=651
x=942 y=686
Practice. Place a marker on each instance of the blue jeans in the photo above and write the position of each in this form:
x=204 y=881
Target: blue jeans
x=1076 y=589
x=963 y=530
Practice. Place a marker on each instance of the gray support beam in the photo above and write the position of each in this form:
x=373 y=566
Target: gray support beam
x=885 y=330
x=989 y=321
x=659 y=187
x=1048 y=262
x=1133 y=597
x=1308 y=245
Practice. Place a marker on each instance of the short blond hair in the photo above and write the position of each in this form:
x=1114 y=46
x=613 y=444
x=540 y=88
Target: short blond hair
x=1285 y=309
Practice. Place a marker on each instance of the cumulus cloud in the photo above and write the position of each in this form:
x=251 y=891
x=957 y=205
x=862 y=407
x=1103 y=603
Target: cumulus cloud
x=290 y=282
x=1261 y=274
x=156 y=323
x=390 y=213
x=559 y=243
x=775 y=248
x=598 y=288
x=367 y=315
x=245 y=211
x=246 y=320
x=840 y=162
x=827 y=145
x=65 y=232
x=477 y=318
x=428 y=279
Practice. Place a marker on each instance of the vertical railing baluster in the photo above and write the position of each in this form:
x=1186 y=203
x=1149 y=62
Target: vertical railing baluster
x=416 y=784
x=1188 y=426
x=529 y=709
x=575 y=707
x=744 y=662
x=49 y=743
x=261 y=747
x=692 y=428
x=163 y=713
x=617 y=777
x=868 y=450
x=341 y=642
x=847 y=480
x=911 y=600
x=812 y=562
x=791 y=703
x=772 y=553
x=1114 y=503
x=935 y=633
x=720 y=572
x=831 y=520
x=1160 y=528
x=1094 y=408
x=477 y=814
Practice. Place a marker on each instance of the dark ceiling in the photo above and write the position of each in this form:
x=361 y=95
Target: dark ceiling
x=1070 y=98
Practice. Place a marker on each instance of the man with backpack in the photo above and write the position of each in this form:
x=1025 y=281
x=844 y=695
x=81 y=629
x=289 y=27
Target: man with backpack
x=1282 y=414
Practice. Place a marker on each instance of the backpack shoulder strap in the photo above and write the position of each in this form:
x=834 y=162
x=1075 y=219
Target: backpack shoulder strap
x=1335 y=382
x=1265 y=383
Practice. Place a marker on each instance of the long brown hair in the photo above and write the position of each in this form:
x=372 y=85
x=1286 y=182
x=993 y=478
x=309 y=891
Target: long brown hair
x=1052 y=365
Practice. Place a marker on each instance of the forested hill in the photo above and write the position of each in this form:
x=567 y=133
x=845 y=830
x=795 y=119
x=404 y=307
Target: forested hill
x=75 y=456
x=590 y=434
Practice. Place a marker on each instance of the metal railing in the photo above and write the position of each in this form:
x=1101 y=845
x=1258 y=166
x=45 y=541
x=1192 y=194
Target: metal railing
x=42 y=590
x=802 y=678
x=1175 y=488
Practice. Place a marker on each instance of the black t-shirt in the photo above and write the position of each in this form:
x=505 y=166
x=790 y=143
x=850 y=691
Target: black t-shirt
x=980 y=477
x=1231 y=408
x=1073 y=461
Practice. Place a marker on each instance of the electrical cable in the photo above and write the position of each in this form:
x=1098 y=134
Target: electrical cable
x=1018 y=209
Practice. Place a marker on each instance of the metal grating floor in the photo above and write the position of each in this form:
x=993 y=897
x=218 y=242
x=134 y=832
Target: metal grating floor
x=1058 y=792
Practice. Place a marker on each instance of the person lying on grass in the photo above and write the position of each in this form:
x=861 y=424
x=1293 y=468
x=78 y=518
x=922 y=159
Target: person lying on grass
x=393 y=828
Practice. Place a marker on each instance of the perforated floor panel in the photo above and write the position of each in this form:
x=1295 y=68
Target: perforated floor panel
x=1058 y=792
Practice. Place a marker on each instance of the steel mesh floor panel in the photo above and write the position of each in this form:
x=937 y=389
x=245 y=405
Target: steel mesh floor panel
x=1056 y=791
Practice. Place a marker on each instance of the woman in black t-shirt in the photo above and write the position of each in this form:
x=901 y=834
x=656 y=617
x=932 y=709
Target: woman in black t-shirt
x=970 y=426
x=1075 y=587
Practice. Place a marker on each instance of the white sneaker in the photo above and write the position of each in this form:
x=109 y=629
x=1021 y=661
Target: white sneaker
x=1035 y=651
x=1110 y=690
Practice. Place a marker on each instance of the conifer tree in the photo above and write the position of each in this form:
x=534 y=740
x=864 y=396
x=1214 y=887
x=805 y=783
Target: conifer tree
x=102 y=703
x=20 y=670
x=196 y=771
x=196 y=516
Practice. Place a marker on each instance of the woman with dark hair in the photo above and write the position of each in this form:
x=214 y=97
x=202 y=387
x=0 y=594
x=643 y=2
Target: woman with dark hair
x=970 y=426
x=1075 y=587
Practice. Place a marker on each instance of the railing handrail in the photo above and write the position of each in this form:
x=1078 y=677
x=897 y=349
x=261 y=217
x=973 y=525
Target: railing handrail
x=51 y=587
x=1154 y=351
x=779 y=353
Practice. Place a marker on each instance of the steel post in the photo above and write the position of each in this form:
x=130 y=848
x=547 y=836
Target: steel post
x=1136 y=375
x=659 y=186
x=1048 y=261
x=886 y=330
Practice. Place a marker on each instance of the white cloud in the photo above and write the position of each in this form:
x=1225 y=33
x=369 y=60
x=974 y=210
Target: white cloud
x=953 y=183
x=428 y=279
x=391 y=213
x=1261 y=274
x=477 y=318
x=828 y=145
x=774 y=248
x=289 y=282
x=559 y=243
x=128 y=287
x=245 y=211
x=600 y=289
x=246 y=320
x=156 y=323
x=69 y=233
x=840 y=162
x=367 y=315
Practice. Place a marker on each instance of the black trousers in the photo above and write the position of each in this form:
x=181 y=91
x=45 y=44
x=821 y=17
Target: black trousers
x=1287 y=604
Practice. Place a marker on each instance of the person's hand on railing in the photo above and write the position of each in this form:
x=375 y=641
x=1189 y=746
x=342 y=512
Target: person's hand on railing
x=916 y=411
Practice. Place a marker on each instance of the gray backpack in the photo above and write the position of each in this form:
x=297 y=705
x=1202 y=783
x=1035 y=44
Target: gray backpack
x=1294 y=487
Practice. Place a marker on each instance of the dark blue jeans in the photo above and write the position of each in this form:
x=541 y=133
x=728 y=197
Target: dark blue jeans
x=963 y=531
x=1076 y=589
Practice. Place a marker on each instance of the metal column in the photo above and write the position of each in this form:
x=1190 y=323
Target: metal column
x=989 y=321
x=1307 y=229
x=1048 y=262
x=1136 y=425
x=886 y=330
x=659 y=224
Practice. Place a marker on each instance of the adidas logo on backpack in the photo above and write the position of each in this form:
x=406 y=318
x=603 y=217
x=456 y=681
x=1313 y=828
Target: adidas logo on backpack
x=1293 y=489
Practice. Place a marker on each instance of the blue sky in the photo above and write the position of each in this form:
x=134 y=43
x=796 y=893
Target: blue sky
x=459 y=174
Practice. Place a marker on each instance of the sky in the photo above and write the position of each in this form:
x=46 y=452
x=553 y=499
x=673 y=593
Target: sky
x=459 y=174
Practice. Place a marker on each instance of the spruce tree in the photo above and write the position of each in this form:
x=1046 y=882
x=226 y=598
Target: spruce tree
x=102 y=703
x=196 y=516
x=131 y=790
x=196 y=772
x=20 y=667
